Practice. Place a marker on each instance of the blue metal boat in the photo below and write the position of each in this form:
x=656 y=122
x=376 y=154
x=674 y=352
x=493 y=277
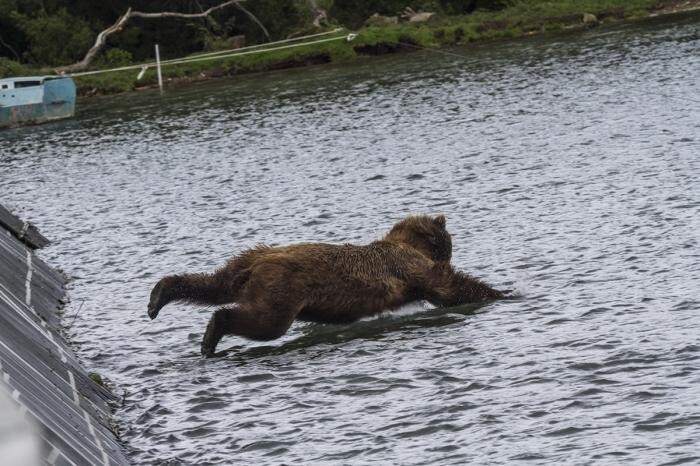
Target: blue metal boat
x=35 y=99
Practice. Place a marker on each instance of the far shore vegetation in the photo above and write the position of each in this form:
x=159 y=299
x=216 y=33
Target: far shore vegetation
x=37 y=43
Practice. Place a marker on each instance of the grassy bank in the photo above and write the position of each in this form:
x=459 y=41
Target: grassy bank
x=522 y=17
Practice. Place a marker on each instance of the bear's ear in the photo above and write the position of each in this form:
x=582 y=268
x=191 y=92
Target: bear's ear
x=440 y=221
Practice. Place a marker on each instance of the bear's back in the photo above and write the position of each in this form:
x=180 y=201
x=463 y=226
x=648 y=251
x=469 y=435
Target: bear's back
x=370 y=262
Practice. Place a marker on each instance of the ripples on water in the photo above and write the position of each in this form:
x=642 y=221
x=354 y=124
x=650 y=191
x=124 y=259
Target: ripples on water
x=567 y=167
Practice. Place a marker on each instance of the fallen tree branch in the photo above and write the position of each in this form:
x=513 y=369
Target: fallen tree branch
x=119 y=24
x=171 y=14
x=319 y=16
x=255 y=20
x=319 y=13
x=99 y=43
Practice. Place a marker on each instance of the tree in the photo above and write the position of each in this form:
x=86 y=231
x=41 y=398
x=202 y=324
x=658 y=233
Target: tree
x=101 y=40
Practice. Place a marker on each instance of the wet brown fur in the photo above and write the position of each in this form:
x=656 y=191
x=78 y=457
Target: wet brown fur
x=273 y=286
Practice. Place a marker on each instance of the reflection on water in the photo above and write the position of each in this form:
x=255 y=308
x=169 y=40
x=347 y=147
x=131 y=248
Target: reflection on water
x=314 y=336
x=567 y=167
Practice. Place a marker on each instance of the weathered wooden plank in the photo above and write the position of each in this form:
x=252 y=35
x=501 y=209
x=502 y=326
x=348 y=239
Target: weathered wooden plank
x=23 y=231
x=37 y=367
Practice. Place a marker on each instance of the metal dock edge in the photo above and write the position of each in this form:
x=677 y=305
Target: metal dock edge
x=38 y=370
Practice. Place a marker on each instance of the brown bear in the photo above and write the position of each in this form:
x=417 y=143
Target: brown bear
x=274 y=286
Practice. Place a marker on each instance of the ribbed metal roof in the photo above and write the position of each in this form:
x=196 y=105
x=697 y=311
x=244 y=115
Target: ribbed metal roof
x=38 y=369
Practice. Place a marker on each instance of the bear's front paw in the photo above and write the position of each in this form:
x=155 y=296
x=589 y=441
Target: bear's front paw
x=211 y=338
x=208 y=351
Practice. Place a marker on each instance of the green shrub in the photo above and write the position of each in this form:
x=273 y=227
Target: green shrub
x=57 y=39
x=114 y=58
x=108 y=83
x=10 y=68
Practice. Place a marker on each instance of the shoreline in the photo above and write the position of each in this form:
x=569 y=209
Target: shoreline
x=513 y=22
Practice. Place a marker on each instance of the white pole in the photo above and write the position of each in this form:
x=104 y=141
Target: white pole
x=160 y=76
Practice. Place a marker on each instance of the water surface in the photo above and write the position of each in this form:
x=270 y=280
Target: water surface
x=567 y=167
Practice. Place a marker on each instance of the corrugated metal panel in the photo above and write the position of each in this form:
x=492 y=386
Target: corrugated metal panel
x=39 y=369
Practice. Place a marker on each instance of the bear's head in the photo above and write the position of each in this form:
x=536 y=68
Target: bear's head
x=425 y=233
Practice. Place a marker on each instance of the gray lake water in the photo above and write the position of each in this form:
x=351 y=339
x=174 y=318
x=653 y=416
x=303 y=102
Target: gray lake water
x=568 y=167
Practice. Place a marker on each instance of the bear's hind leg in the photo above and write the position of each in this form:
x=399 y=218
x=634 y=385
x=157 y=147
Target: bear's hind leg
x=200 y=288
x=253 y=323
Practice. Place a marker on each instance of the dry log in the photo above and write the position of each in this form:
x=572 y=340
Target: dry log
x=119 y=24
x=320 y=15
x=255 y=20
x=99 y=43
x=416 y=17
x=171 y=14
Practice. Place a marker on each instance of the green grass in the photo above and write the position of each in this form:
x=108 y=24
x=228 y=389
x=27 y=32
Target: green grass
x=97 y=378
x=313 y=54
x=533 y=11
x=521 y=17
x=10 y=68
